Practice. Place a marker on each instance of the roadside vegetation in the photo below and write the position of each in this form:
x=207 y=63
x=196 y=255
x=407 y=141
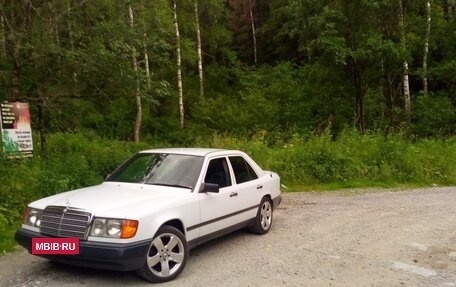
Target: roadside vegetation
x=312 y=162
x=329 y=94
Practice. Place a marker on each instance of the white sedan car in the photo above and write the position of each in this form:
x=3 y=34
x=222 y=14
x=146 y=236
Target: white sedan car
x=151 y=210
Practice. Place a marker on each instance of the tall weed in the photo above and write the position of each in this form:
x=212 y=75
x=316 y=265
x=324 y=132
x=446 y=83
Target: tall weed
x=303 y=161
x=349 y=160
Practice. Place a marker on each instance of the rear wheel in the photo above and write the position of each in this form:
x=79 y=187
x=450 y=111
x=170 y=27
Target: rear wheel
x=166 y=256
x=263 y=220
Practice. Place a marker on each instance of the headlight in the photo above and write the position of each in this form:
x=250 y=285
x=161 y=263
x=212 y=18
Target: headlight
x=32 y=217
x=113 y=228
x=98 y=227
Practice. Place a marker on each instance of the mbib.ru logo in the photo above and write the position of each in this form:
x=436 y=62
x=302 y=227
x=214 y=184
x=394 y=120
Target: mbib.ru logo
x=47 y=246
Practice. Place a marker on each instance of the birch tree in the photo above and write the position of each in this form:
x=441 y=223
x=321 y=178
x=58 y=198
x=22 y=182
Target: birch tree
x=145 y=51
x=71 y=39
x=179 y=66
x=405 y=75
x=200 y=54
x=448 y=9
x=252 y=23
x=2 y=25
x=426 y=47
x=242 y=22
x=138 y=120
x=54 y=27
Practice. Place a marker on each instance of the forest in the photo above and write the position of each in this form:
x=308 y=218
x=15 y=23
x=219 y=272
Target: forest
x=328 y=93
x=133 y=70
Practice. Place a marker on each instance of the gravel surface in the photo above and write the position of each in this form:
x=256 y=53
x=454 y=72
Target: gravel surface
x=350 y=238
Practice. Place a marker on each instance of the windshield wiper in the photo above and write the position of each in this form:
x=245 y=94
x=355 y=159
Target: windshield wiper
x=168 y=184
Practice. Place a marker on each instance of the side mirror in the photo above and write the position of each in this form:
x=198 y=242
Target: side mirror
x=209 y=187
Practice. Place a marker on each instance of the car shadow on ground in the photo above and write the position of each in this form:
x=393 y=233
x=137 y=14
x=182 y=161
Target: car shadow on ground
x=65 y=273
x=75 y=274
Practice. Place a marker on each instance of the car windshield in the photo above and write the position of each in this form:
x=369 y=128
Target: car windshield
x=160 y=169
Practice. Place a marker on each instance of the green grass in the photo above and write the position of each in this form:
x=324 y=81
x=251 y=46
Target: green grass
x=7 y=242
x=352 y=160
x=304 y=163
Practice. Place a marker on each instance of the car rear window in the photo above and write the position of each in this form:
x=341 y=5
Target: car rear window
x=242 y=169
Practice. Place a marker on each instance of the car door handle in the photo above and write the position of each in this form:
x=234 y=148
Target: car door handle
x=259 y=186
x=233 y=194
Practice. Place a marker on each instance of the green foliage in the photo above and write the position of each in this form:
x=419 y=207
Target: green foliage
x=435 y=116
x=324 y=68
x=73 y=161
x=7 y=230
x=321 y=64
x=303 y=161
x=350 y=160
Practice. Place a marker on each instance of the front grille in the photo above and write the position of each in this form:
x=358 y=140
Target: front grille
x=61 y=221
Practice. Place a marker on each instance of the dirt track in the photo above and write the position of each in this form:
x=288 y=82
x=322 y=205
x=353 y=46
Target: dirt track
x=358 y=238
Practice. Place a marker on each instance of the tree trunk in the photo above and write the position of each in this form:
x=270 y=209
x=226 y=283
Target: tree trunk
x=252 y=21
x=359 y=93
x=12 y=45
x=55 y=35
x=405 y=74
x=179 y=68
x=200 y=55
x=407 y=101
x=42 y=121
x=361 y=112
x=13 y=95
x=426 y=47
x=137 y=128
x=146 y=62
x=146 y=53
x=3 y=36
x=448 y=9
x=71 y=38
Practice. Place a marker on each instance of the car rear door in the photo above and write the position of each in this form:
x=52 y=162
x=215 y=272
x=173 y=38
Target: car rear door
x=219 y=211
x=248 y=186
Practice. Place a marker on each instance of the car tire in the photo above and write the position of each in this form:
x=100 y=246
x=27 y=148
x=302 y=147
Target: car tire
x=166 y=257
x=263 y=219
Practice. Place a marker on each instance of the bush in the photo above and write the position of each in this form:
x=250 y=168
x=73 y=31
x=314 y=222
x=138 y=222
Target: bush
x=303 y=161
x=73 y=161
x=350 y=160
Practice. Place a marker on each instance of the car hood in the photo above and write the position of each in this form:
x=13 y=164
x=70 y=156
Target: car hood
x=114 y=199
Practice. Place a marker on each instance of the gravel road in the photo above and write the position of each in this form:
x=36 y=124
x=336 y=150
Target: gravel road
x=349 y=238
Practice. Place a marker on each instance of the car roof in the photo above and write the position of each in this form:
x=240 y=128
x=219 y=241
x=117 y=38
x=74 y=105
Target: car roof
x=189 y=151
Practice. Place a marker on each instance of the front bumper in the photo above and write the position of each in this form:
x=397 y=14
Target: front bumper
x=112 y=256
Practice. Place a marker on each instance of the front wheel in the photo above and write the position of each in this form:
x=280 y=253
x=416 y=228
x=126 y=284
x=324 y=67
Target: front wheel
x=166 y=256
x=263 y=219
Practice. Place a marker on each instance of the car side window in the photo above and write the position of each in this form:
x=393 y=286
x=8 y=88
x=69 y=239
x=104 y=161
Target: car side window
x=218 y=173
x=242 y=170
